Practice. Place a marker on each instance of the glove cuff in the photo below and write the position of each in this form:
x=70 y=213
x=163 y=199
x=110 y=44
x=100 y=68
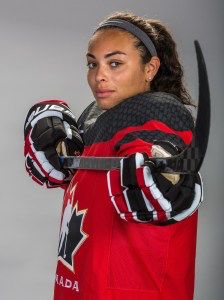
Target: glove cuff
x=52 y=101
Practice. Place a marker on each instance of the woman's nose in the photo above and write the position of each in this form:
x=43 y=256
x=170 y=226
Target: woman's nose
x=101 y=74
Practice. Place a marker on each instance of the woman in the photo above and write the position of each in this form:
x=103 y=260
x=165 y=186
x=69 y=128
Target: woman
x=127 y=233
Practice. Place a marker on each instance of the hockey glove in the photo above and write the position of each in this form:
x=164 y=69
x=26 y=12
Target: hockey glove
x=50 y=126
x=141 y=194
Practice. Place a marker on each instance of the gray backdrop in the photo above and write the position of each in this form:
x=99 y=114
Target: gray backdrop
x=43 y=46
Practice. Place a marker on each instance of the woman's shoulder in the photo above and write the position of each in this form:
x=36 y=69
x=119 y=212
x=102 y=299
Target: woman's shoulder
x=160 y=106
x=169 y=109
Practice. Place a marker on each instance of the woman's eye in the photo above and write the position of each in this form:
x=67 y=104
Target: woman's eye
x=91 y=65
x=115 y=63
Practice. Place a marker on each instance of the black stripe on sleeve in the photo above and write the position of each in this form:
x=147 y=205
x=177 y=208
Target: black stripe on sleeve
x=151 y=136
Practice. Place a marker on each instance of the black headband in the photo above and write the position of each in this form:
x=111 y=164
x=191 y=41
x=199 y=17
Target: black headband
x=141 y=35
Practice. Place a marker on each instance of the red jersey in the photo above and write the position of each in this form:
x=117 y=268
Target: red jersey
x=103 y=257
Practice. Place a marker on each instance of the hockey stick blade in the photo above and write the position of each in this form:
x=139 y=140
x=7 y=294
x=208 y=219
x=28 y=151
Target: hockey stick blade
x=189 y=160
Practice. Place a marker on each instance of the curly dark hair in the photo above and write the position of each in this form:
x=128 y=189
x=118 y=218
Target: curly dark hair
x=169 y=77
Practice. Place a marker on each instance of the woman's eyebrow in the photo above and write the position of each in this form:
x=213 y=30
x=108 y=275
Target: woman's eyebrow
x=108 y=54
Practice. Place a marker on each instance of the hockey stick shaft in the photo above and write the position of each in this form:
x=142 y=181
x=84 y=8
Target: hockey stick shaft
x=108 y=163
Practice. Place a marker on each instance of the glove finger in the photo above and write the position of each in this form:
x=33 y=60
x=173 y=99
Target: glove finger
x=183 y=199
x=198 y=198
x=56 y=176
x=141 y=208
x=189 y=195
x=47 y=132
x=135 y=200
x=181 y=194
x=34 y=171
x=74 y=139
x=56 y=173
x=151 y=191
x=53 y=158
x=116 y=191
x=128 y=167
x=129 y=203
x=154 y=198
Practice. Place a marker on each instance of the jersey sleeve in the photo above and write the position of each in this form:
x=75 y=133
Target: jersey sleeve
x=164 y=119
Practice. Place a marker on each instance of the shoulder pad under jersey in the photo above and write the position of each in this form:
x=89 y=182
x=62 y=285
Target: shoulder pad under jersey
x=88 y=117
x=137 y=110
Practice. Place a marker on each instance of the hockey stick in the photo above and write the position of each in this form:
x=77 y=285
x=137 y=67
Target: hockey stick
x=189 y=160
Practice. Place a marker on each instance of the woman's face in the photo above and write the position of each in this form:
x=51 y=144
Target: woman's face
x=115 y=70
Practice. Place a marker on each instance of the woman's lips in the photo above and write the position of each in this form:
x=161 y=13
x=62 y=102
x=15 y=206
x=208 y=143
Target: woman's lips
x=103 y=93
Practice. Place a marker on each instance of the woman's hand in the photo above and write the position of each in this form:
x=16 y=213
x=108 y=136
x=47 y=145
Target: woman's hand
x=141 y=194
x=50 y=129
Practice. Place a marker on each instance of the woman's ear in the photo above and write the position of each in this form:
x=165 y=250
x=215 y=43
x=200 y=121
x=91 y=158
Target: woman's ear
x=151 y=68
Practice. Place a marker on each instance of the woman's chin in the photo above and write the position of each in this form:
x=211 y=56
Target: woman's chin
x=106 y=103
